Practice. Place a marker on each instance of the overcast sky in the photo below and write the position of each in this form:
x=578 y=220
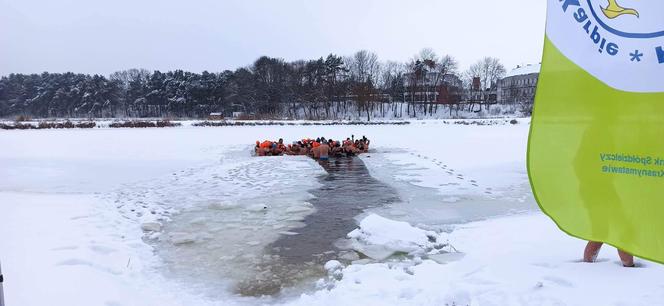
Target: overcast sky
x=91 y=36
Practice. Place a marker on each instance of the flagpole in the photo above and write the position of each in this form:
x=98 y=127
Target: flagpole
x=2 y=293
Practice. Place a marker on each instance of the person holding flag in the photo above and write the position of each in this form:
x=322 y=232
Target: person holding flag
x=600 y=94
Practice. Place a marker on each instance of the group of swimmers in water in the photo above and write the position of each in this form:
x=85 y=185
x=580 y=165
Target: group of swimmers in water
x=319 y=148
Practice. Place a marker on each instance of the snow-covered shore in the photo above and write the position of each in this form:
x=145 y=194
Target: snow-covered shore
x=515 y=260
x=72 y=204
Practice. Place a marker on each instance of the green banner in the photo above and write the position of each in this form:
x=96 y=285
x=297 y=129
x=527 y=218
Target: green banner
x=596 y=147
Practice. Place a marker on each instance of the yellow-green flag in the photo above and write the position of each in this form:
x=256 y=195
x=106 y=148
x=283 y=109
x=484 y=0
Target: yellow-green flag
x=596 y=148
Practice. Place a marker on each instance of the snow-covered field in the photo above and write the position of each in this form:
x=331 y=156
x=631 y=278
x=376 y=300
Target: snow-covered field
x=181 y=216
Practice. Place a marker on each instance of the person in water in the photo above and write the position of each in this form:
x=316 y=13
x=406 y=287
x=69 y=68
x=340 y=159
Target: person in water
x=312 y=148
x=315 y=149
x=324 y=151
x=294 y=149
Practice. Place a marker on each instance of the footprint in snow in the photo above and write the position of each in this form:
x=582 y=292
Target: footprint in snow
x=65 y=248
x=79 y=217
x=581 y=261
x=102 y=249
x=559 y=281
x=75 y=262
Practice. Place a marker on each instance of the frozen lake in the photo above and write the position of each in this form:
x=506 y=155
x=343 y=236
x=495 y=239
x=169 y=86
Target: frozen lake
x=187 y=216
x=266 y=226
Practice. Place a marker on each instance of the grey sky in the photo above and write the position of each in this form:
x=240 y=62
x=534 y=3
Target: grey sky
x=92 y=36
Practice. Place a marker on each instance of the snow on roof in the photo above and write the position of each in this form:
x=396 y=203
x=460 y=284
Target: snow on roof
x=525 y=69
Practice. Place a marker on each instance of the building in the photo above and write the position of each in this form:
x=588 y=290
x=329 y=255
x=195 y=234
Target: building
x=432 y=88
x=519 y=86
x=216 y=116
x=475 y=94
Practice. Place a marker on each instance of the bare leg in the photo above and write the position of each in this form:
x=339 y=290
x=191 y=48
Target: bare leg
x=626 y=258
x=592 y=249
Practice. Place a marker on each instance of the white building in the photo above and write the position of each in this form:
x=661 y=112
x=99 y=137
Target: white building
x=519 y=85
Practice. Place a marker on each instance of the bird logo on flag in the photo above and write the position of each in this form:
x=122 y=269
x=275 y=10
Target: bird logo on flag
x=614 y=10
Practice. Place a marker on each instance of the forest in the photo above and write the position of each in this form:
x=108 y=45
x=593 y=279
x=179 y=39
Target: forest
x=331 y=87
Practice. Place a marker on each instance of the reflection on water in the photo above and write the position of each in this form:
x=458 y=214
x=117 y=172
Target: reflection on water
x=348 y=189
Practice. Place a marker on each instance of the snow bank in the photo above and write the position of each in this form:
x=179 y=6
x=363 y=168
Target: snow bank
x=517 y=260
x=380 y=238
x=68 y=249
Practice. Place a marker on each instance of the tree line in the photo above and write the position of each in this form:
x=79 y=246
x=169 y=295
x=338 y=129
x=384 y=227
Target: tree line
x=331 y=87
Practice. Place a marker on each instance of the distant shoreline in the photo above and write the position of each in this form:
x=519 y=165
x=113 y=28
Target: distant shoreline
x=161 y=123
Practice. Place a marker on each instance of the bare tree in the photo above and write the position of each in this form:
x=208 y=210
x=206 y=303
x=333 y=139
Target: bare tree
x=429 y=60
x=446 y=67
x=488 y=69
x=427 y=54
x=363 y=65
x=364 y=70
x=391 y=82
x=415 y=70
x=428 y=72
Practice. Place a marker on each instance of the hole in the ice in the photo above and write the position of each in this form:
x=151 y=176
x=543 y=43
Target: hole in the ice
x=261 y=246
x=348 y=189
